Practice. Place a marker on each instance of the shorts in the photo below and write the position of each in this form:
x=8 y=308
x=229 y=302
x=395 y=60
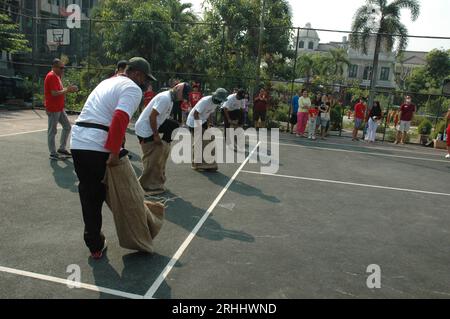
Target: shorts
x=323 y=122
x=293 y=119
x=404 y=126
x=358 y=123
x=257 y=114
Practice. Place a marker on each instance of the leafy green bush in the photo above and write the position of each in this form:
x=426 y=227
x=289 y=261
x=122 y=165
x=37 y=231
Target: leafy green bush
x=425 y=127
x=440 y=129
x=391 y=135
x=336 y=118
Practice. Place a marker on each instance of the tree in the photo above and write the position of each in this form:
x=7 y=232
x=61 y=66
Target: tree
x=306 y=66
x=11 y=40
x=438 y=64
x=383 y=19
x=339 y=58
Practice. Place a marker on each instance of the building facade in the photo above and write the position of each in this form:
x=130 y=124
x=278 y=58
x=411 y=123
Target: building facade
x=361 y=65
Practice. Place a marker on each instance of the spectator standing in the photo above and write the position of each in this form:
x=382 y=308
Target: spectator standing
x=312 y=120
x=54 y=93
x=375 y=116
x=260 y=105
x=447 y=117
x=324 y=119
x=407 y=111
x=293 y=120
x=304 y=104
x=360 y=110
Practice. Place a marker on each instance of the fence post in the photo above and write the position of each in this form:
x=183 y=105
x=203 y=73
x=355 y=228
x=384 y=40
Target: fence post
x=293 y=80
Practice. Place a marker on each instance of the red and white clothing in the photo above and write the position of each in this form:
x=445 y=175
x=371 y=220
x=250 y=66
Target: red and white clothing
x=162 y=103
x=194 y=97
x=52 y=103
x=117 y=98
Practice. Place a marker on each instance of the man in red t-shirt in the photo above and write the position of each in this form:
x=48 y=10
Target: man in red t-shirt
x=54 y=93
x=407 y=110
x=360 y=111
x=260 y=106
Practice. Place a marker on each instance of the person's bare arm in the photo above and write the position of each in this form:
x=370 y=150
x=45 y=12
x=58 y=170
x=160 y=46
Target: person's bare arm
x=69 y=89
x=154 y=126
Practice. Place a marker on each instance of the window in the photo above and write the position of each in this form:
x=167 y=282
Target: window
x=353 y=71
x=311 y=45
x=301 y=44
x=384 y=76
x=367 y=73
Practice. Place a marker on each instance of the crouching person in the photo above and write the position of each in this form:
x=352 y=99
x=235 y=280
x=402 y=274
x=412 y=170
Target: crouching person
x=200 y=115
x=154 y=121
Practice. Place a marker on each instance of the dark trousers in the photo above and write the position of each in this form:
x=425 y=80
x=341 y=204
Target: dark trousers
x=90 y=167
x=176 y=111
x=235 y=115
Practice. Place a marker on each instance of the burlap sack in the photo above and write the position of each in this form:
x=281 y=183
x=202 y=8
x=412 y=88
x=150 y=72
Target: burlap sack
x=154 y=159
x=204 y=165
x=137 y=221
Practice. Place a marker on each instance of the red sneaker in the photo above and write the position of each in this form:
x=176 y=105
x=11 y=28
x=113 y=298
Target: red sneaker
x=99 y=254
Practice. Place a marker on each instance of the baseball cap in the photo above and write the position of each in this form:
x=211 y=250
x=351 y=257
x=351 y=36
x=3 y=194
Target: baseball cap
x=142 y=65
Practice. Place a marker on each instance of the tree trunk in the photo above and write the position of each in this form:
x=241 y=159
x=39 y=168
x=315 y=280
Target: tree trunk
x=374 y=77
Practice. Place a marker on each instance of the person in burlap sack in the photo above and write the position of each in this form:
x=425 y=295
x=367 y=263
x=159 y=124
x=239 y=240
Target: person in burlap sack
x=154 y=121
x=97 y=138
x=199 y=116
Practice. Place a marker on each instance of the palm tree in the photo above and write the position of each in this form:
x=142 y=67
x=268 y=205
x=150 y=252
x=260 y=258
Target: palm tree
x=339 y=58
x=180 y=14
x=383 y=19
x=306 y=66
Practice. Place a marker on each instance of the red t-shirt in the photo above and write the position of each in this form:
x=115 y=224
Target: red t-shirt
x=52 y=103
x=194 y=97
x=148 y=96
x=360 y=110
x=184 y=106
x=259 y=104
x=313 y=112
x=407 y=112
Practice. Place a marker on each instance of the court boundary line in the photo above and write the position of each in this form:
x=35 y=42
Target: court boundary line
x=21 y=133
x=66 y=282
x=330 y=181
x=439 y=152
x=163 y=275
x=365 y=153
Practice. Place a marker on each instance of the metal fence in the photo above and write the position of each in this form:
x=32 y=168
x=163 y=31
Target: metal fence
x=83 y=50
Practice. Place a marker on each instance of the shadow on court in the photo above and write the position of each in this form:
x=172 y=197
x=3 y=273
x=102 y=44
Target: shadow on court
x=186 y=215
x=64 y=175
x=139 y=272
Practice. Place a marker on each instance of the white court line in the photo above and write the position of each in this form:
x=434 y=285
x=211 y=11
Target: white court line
x=366 y=153
x=12 y=134
x=162 y=276
x=369 y=147
x=347 y=183
x=70 y=282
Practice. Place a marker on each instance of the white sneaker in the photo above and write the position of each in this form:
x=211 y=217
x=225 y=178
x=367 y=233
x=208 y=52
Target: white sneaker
x=314 y=138
x=447 y=156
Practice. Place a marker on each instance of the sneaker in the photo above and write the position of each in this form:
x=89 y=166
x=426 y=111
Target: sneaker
x=65 y=153
x=99 y=254
x=447 y=156
x=314 y=138
x=396 y=142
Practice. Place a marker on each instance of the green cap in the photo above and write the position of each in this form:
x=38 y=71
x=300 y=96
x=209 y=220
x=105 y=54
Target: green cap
x=142 y=65
x=220 y=95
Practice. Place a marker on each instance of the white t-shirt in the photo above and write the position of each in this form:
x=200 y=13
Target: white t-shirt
x=205 y=107
x=117 y=93
x=162 y=103
x=232 y=103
